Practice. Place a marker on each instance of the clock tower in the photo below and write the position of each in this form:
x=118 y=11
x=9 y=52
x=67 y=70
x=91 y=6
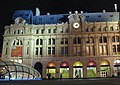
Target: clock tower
x=75 y=21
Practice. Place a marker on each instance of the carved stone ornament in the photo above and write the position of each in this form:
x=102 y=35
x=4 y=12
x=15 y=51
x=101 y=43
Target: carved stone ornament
x=19 y=20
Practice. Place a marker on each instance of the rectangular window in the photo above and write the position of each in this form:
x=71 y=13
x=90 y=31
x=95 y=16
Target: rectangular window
x=62 y=40
x=53 y=41
x=61 y=30
x=42 y=31
x=87 y=40
x=62 y=50
x=49 y=30
x=118 y=48
x=75 y=50
x=40 y=50
x=105 y=39
x=91 y=50
x=49 y=50
x=66 y=50
x=66 y=41
x=105 y=49
x=79 y=40
x=87 y=50
x=54 y=30
x=117 y=39
x=114 y=48
x=100 y=40
x=101 y=50
x=27 y=50
x=53 y=50
x=49 y=42
x=113 y=39
x=37 y=31
x=36 y=52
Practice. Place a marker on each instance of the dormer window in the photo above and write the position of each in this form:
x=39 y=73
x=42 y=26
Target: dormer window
x=99 y=16
x=111 y=15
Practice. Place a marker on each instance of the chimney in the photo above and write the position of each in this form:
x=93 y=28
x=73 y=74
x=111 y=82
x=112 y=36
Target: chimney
x=76 y=12
x=70 y=12
x=103 y=11
x=48 y=13
x=37 y=12
x=81 y=12
x=115 y=5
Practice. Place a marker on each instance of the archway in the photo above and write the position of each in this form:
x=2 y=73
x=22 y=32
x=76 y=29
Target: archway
x=51 y=70
x=77 y=70
x=117 y=67
x=91 y=69
x=64 y=70
x=38 y=67
x=104 y=68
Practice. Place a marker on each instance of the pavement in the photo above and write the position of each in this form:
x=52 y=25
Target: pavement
x=93 y=81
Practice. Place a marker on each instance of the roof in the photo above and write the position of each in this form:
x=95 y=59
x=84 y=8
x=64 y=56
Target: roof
x=59 y=18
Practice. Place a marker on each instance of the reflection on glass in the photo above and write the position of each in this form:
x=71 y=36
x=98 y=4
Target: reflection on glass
x=13 y=70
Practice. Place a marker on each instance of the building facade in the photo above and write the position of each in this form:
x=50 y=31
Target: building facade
x=73 y=45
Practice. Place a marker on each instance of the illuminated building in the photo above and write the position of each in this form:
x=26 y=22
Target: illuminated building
x=76 y=45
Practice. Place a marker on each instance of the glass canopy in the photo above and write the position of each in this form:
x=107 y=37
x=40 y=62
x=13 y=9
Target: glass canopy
x=16 y=71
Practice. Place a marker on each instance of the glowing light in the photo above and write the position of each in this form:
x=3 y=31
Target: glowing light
x=117 y=62
x=51 y=64
x=91 y=63
x=104 y=63
x=77 y=64
x=64 y=64
x=3 y=67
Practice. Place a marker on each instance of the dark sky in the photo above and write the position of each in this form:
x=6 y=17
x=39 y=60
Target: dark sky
x=7 y=8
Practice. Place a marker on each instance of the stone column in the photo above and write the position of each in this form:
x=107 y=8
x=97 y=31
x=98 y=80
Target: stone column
x=85 y=69
x=96 y=44
x=57 y=47
x=70 y=49
x=112 y=67
x=83 y=45
x=109 y=45
x=9 y=50
x=97 y=69
x=44 y=48
x=44 y=71
x=31 y=48
x=70 y=71
x=4 y=49
x=24 y=48
x=57 y=71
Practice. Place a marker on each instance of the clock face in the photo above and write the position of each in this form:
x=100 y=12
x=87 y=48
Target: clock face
x=76 y=25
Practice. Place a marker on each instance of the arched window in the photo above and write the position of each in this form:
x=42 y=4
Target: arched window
x=17 y=42
x=99 y=29
x=113 y=39
x=39 y=42
x=111 y=28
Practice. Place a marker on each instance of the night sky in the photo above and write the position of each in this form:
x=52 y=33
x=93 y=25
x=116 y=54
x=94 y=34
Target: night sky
x=7 y=8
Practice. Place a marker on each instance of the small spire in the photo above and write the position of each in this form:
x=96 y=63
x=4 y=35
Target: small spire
x=37 y=12
x=115 y=5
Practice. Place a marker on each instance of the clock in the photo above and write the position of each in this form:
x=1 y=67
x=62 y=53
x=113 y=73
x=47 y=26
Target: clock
x=76 y=25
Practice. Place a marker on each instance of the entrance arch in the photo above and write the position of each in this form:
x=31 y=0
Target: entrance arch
x=51 y=70
x=64 y=70
x=105 y=68
x=38 y=67
x=91 y=69
x=117 y=67
x=77 y=70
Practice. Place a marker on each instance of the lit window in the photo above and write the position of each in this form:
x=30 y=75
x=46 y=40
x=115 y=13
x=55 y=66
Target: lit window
x=114 y=48
x=113 y=39
x=49 y=30
x=111 y=28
